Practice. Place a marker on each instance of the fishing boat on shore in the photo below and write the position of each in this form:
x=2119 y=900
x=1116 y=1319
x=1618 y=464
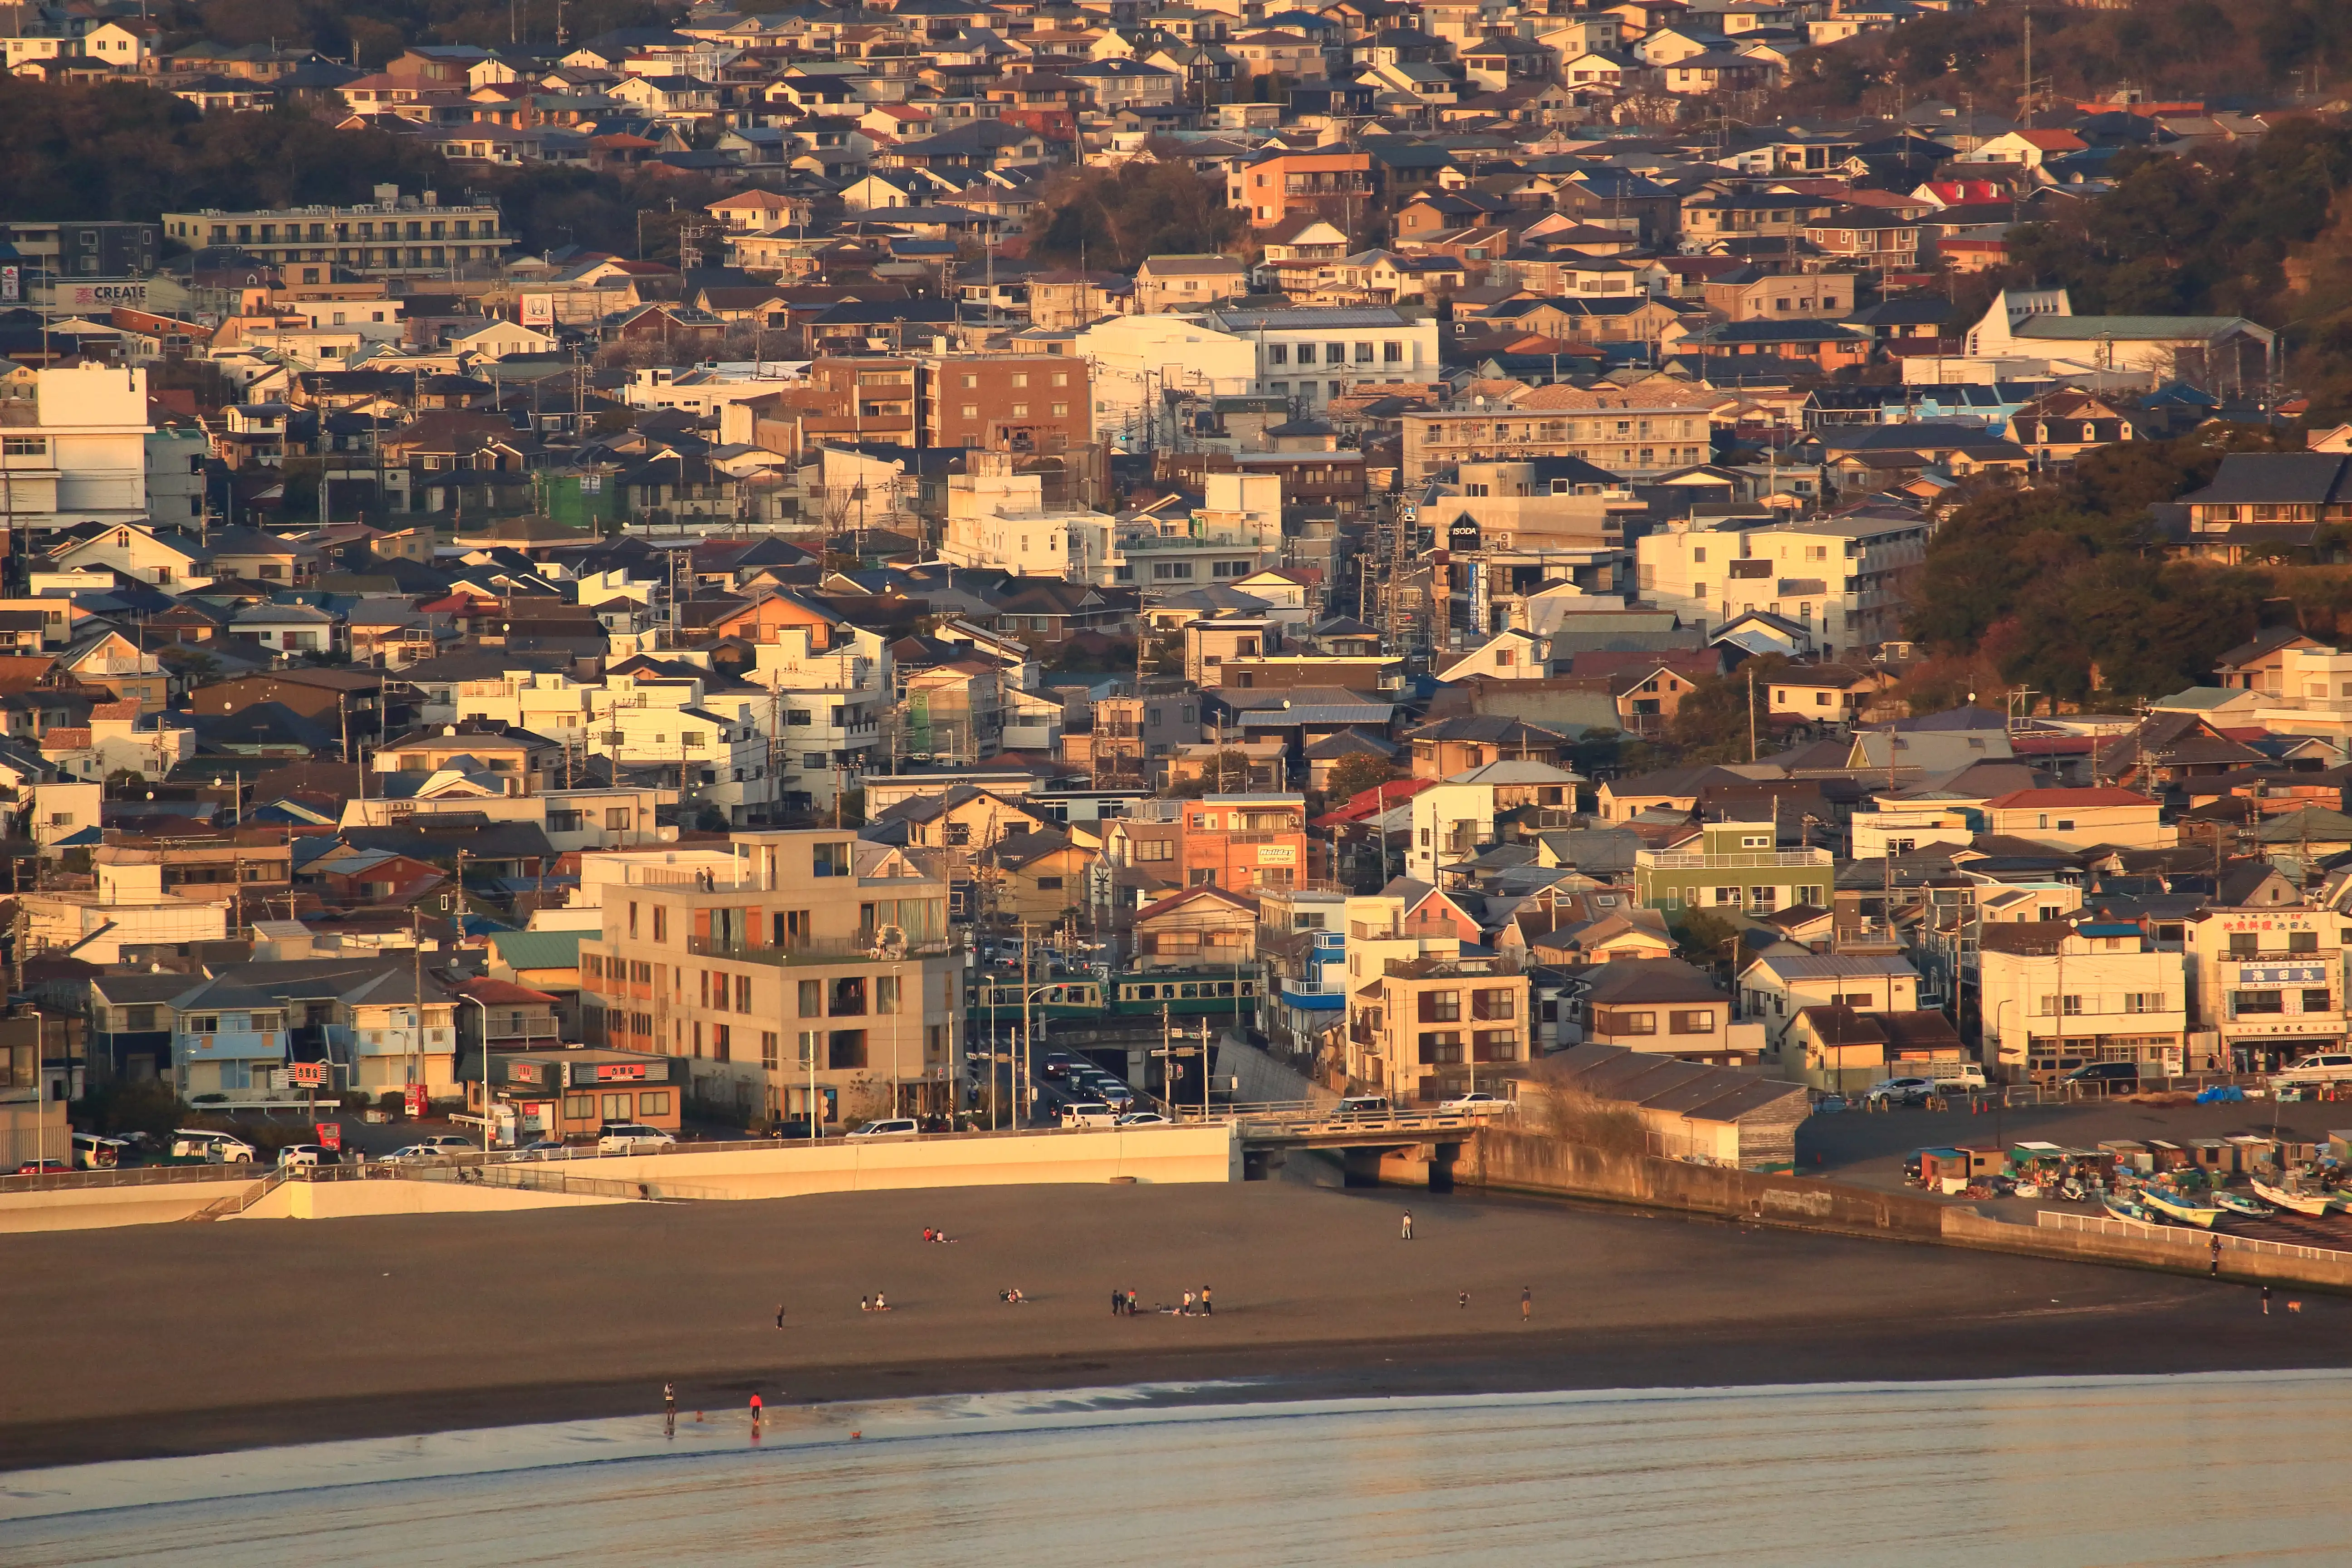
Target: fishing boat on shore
x=2122 y=1206
x=2240 y=1205
x=2298 y=1203
x=2180 y=1206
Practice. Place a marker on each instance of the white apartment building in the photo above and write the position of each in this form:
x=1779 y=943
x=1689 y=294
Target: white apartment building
x=2266 y=984
x=1844 y=578
x=1315 y=354
x=2314 y=696
x=2052 y=995
x=395 y=235
x=2078 y=818
x=1453 y=819
x=1137 y=359
x=174 y=457
x=76 y=451
x=722 y=763
x=828 y=713
x=997 y=517
x=1236 y=533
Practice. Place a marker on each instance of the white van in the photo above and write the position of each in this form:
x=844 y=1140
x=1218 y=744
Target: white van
x=92 y=1152
x=2320 y=1067
x=219 y=1147
x=1088 y=1113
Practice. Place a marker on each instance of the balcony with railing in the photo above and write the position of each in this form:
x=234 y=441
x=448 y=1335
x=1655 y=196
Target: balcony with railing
x=1737 y=861
x=865 y=945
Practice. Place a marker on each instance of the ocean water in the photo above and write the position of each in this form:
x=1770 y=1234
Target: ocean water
x=2208 y=1468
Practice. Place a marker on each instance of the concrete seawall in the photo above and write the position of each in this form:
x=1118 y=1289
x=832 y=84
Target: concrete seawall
x=96 y=1208
x=1520 y=1162
x=1517 y=1162
x=1144 y=1154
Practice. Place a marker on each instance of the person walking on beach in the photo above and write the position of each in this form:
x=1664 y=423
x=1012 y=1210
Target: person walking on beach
x=755 y=1414
x=780 y=1314
x=1117 y=1302
x=1408 y=1226
x=1207 y=1309
x=669 y=1401
x=1130 y=1303
x=1464 y=1302
x=2266 y=1301
x=2214 y=1272
x=1526 y=1302
x=1187 y=1310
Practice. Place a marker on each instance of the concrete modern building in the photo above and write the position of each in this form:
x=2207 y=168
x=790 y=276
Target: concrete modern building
x=75 y=452
x=1737 y=867
x=798 y=973
x=2053 y=995
x=393 y=236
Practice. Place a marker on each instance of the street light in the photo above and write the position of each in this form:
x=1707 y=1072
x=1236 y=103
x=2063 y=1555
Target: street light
x=485 y=1009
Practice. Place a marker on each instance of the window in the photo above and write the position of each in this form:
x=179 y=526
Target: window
x=719 y=1042
x=1307 y=354
x=1391 y=353
x=830 y=859
x=2242 y=944
x=2243 y=1003
x=579 y=1106
x=616 y=1108
x=1616 y=1023
x=661 y=924
x=1493 y=1005
x=656 y=1103
x=29 y=446
x=2316 y=999
x=1440 y=1006
x=885 y=994
x=768 y=1053
x=2303 y=941
x=848 y=997
x=1049 y=884
x=1280 y=353
x=1699 y=1021
x=845 y=1050
x=812 y=997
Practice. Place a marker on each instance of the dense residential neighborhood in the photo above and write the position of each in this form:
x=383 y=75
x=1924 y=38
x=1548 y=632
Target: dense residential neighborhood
x=1295 y=516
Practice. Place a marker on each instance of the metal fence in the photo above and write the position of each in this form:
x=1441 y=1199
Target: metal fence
x=2198 y=1241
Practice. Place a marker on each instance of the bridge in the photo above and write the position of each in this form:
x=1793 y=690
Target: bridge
x=1403 y=1139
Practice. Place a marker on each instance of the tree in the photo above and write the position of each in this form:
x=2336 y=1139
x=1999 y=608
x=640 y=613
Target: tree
x=1713 y=723
x=1351 y=776
x=1702 y=938
x=1116 y=218
x=1227 y=771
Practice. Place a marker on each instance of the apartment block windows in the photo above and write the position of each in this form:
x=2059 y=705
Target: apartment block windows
x=661 y=924
x=2244 y=944
x=1440 y=1006
x=885 y=994
x=2316 y=1000
x=845 y=1050
x=2303 y=941
x=1280 y=353
x=768 y=1052
x=742 y=994
x=832 y=860
x=1391 y=353
x=1307 y=354
x=848 y=997
x=811 y=999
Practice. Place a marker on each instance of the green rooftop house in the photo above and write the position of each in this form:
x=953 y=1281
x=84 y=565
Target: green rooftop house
x=1735 y=868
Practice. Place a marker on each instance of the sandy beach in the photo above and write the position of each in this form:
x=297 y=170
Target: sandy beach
x=187 y=1338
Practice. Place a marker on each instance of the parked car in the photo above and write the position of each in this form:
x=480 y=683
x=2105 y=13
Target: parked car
x=2109 y=1076
x=410 y=1154
x=1088 y=1113
x=92 y=1152
x=631 y=1138
x=1900 y=1091
x=1364 y=1108
x=1477 y=1102
x=890 y=1126
x=797 y=1130
x=1144 y=1118
x=43 y=1168
x=294 y=1154
x=220 y=1147
x=537 y=1149
x=450 y=1140
x=1114 y=1094
x=2320 y=1067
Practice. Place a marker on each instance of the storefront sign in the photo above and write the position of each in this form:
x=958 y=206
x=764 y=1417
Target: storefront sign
x=621 y=1072
x=2283 y=975
x=1278 y=855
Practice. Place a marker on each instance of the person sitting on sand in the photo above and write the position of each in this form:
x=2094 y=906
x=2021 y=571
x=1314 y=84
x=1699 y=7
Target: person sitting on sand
x=880 y=1304
x=865 y=1303
x=927 y=1234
